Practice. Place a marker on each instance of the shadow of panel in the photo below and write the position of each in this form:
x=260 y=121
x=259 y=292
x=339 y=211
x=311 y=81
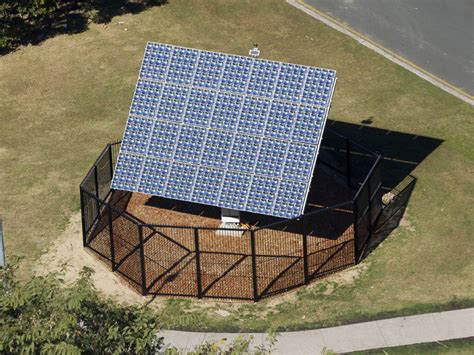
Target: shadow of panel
x=196 y=209
x=402 y=152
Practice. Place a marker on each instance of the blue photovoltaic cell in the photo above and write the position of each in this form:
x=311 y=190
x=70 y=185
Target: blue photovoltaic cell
x=309 y=124
x=145 y=101
x=224 y=130
x=290 y=82
x=234 y=190
x=163 y=140
x=224 y=116
x=244 y=153
x=236 y=74
x=154 y=176
x=199 y=102
x=173 y=103
x=216 y=149
x=180 y=181
x=191 y=143
x=254 y=115
x=283 y=117
x=209 y=70
x=208 y=184
x=271 y=158
x=263 y=78
x=261 y=195
x=127 y=171
x=300 y=160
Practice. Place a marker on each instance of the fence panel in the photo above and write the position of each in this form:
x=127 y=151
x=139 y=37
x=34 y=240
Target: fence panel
x=88 y=183
x=89 y=212
x=375 y=188
x=225 y=263
x=367 y=206
x=99 y=237
x=126 y=248
x=330 y=237
x=279 y=258
x=170 y=261
x=400 y=196
x=104 y=173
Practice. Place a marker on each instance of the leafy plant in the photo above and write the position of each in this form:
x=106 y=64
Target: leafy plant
x=43 y=315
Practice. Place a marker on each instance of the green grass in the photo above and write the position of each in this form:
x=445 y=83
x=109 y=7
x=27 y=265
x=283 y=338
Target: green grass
x=456 y=346
x=64 y=100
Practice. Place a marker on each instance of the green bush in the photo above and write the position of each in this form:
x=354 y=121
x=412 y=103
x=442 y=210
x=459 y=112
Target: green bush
x=42 y=315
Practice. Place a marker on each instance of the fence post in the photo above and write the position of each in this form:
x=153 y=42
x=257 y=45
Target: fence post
x=111 y=164
x=305 y=254
x=369 y=211
x=83 y=221
x=254 y=266
x=142 y=259
x=111 y=234
x=356 y=228
x=348 y=162
x=198 y=263
x=96 y=183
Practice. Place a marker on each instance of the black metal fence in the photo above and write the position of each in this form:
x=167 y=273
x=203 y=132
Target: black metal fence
x=245 y=264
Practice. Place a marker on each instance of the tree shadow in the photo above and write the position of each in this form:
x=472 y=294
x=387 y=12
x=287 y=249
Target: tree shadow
x=108 y=9
x=68 y=17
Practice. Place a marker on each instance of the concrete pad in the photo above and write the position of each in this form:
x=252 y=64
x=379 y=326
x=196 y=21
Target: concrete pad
x=409 y=330
x=354 y=337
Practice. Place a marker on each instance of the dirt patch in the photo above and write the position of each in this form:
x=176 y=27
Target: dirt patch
x=67 y=254
x=348 y=276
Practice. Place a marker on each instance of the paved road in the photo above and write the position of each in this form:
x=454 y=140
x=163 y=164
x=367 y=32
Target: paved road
x=436 y=35
x=421 y=328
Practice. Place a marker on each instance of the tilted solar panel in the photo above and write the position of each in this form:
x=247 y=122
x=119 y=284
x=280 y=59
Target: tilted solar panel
x=224 y=130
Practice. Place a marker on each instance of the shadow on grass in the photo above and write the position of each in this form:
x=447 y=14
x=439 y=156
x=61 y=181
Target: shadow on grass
x=401 y=152
x=392 y=214
x=68 y=17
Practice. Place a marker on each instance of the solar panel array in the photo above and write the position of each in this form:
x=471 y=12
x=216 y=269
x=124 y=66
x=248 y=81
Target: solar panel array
x=224 y=130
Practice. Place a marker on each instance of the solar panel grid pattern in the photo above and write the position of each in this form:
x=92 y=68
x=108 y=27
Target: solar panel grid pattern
x=224 y=130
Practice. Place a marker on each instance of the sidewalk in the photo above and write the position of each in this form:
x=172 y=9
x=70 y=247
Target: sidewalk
x=421 y=328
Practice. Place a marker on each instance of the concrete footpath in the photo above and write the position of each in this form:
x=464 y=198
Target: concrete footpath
x=417 y=329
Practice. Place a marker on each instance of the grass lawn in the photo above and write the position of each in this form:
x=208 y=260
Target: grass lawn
x=456 y=346
x=63 y=100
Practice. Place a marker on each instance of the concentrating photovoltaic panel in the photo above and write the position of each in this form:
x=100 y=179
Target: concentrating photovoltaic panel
x=224 y=130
